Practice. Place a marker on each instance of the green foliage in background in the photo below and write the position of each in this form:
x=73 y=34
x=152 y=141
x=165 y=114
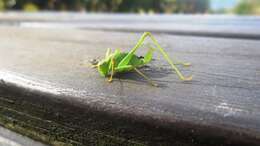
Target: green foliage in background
x=2 y=5
x=199 y=6
x=248 y=7
x=30 y=7
x=134 y=6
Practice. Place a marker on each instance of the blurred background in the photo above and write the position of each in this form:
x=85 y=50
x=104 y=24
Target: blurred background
x=240 y=7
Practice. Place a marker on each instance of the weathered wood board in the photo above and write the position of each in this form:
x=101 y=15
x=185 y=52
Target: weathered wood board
x=49 y=92
x=224 y=26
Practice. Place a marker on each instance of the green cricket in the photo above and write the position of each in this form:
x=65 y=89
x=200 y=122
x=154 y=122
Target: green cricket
x=122 y=62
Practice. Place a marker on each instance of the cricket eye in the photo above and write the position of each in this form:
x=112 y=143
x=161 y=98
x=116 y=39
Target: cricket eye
x=93 y=61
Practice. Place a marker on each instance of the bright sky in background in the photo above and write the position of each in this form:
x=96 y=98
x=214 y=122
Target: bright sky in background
x=223 y=4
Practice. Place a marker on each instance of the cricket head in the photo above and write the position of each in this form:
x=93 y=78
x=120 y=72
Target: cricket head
x=103 y=67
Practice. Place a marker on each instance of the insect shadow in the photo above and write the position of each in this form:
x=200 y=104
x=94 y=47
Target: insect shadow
x=154 y=72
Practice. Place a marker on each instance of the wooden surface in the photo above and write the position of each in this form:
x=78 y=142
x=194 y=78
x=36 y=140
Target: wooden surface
x=10 y=138
x=224 y=26
x=45 y=78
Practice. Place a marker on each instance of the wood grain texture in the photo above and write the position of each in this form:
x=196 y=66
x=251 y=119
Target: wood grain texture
x=221 y=105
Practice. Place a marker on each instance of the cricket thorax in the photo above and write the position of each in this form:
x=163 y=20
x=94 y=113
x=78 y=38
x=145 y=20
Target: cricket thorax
x=103 y=67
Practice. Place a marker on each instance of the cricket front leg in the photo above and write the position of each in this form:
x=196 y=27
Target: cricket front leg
x=112 y=70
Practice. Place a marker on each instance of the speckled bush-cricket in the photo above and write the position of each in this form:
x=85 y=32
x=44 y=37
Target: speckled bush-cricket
x=121 y=62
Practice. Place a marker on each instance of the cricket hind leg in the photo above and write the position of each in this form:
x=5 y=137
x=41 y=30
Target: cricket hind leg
x=140 y=42
x=165 y=55
x=129 y=56
x=149 y=55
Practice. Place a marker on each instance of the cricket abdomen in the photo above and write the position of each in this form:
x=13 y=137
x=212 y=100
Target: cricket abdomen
x=135 y=60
